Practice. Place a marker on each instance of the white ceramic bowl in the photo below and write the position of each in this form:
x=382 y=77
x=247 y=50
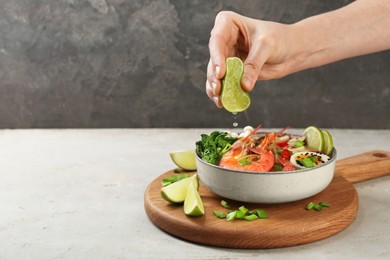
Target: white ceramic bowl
x=266 y=187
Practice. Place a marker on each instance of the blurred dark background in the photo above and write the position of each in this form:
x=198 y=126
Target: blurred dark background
x=133 y=64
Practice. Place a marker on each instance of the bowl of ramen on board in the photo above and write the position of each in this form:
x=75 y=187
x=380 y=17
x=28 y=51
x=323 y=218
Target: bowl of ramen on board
x=266 y=167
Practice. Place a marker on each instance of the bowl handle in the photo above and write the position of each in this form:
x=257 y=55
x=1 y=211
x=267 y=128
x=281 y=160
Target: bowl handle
x=364 y=166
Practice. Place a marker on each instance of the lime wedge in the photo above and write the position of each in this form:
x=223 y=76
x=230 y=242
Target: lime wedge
x=328 y=144
x=314 y=138
x=177 y=191
x=193 y=205
x=233 y=98
x=185 y=159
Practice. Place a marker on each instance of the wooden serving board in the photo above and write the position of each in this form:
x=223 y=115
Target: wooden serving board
x=288 y=224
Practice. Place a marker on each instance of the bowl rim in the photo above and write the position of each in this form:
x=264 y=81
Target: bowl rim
x=332 y=158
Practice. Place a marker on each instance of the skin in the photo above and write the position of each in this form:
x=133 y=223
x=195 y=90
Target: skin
x=273 y=50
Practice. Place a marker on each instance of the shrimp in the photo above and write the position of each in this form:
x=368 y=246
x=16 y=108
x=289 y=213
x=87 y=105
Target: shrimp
x=245 y=155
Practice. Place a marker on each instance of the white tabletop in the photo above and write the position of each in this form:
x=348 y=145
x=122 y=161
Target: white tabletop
x=78 y=194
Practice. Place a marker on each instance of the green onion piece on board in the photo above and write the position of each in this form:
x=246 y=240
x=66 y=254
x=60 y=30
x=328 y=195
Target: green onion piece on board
x=261 y=213
x=219 y=214
x=310 y=206
x=225 y=204
x=324 y=204
x=251 y=217
x=231 y=216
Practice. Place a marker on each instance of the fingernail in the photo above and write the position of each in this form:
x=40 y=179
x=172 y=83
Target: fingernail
x=217 y=69
x=213 y=86
x=215 y=100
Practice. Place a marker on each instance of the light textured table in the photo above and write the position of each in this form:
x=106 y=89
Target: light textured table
x=78 y=194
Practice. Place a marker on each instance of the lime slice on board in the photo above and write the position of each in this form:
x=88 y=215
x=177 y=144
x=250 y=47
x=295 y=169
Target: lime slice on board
x=233 y=98
x=193 y=205
x=177 y=191
x=185 y=159
x=328 y=142
x=314 y=138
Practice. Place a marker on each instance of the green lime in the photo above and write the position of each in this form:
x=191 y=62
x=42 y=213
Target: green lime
x=193 y=205
x=177 y=191
x=314 y=138
x=328 y=144
x=185 y=159
x=233 y=98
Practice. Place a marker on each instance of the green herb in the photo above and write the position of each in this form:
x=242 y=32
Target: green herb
x=278 y=167
x=307 y=162
x=251 y=217
x=310 y=206
x=244 y=161
x=173 y=178
x=317 y=206
x=211 y=147
x=243 y=209
x=324 y=204
x=231 y=216
x=219 y=214
x=298 y=143
x=177 y=170
x=241 y=213
x=261 y=213
x=225 y=204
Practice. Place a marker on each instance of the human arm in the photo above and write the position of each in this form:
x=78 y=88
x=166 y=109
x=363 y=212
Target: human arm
x=273 y=50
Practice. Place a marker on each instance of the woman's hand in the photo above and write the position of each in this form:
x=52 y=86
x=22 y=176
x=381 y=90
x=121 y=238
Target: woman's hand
x=260 y=44
x=272 y=50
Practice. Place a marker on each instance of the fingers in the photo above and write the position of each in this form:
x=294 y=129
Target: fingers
x=213 y=86
x=222 y=41
x=253 y=64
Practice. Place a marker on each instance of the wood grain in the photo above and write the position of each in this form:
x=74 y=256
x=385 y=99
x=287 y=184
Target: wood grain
x=289 y=224
x=364 y=166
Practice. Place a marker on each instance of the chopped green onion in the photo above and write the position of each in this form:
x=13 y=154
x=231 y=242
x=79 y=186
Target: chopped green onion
x=307 y=162
x=310 y=206
x=324 y=204
x=219 y=214
x=261 y=213
x=225 y=204
x=173 y=178
x=240 y=214
x=244 y=161
x=298 y=143
x=231 y=216
x=278 y=167
x=243 y=209
x=251 y=217
x=317 y=207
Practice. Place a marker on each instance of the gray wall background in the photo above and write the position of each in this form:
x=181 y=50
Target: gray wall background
x=116 y=63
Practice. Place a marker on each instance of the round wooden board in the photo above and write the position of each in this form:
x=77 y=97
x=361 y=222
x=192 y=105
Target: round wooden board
x=288 y=224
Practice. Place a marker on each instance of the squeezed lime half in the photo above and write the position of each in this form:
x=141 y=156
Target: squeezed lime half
x=233 y=98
